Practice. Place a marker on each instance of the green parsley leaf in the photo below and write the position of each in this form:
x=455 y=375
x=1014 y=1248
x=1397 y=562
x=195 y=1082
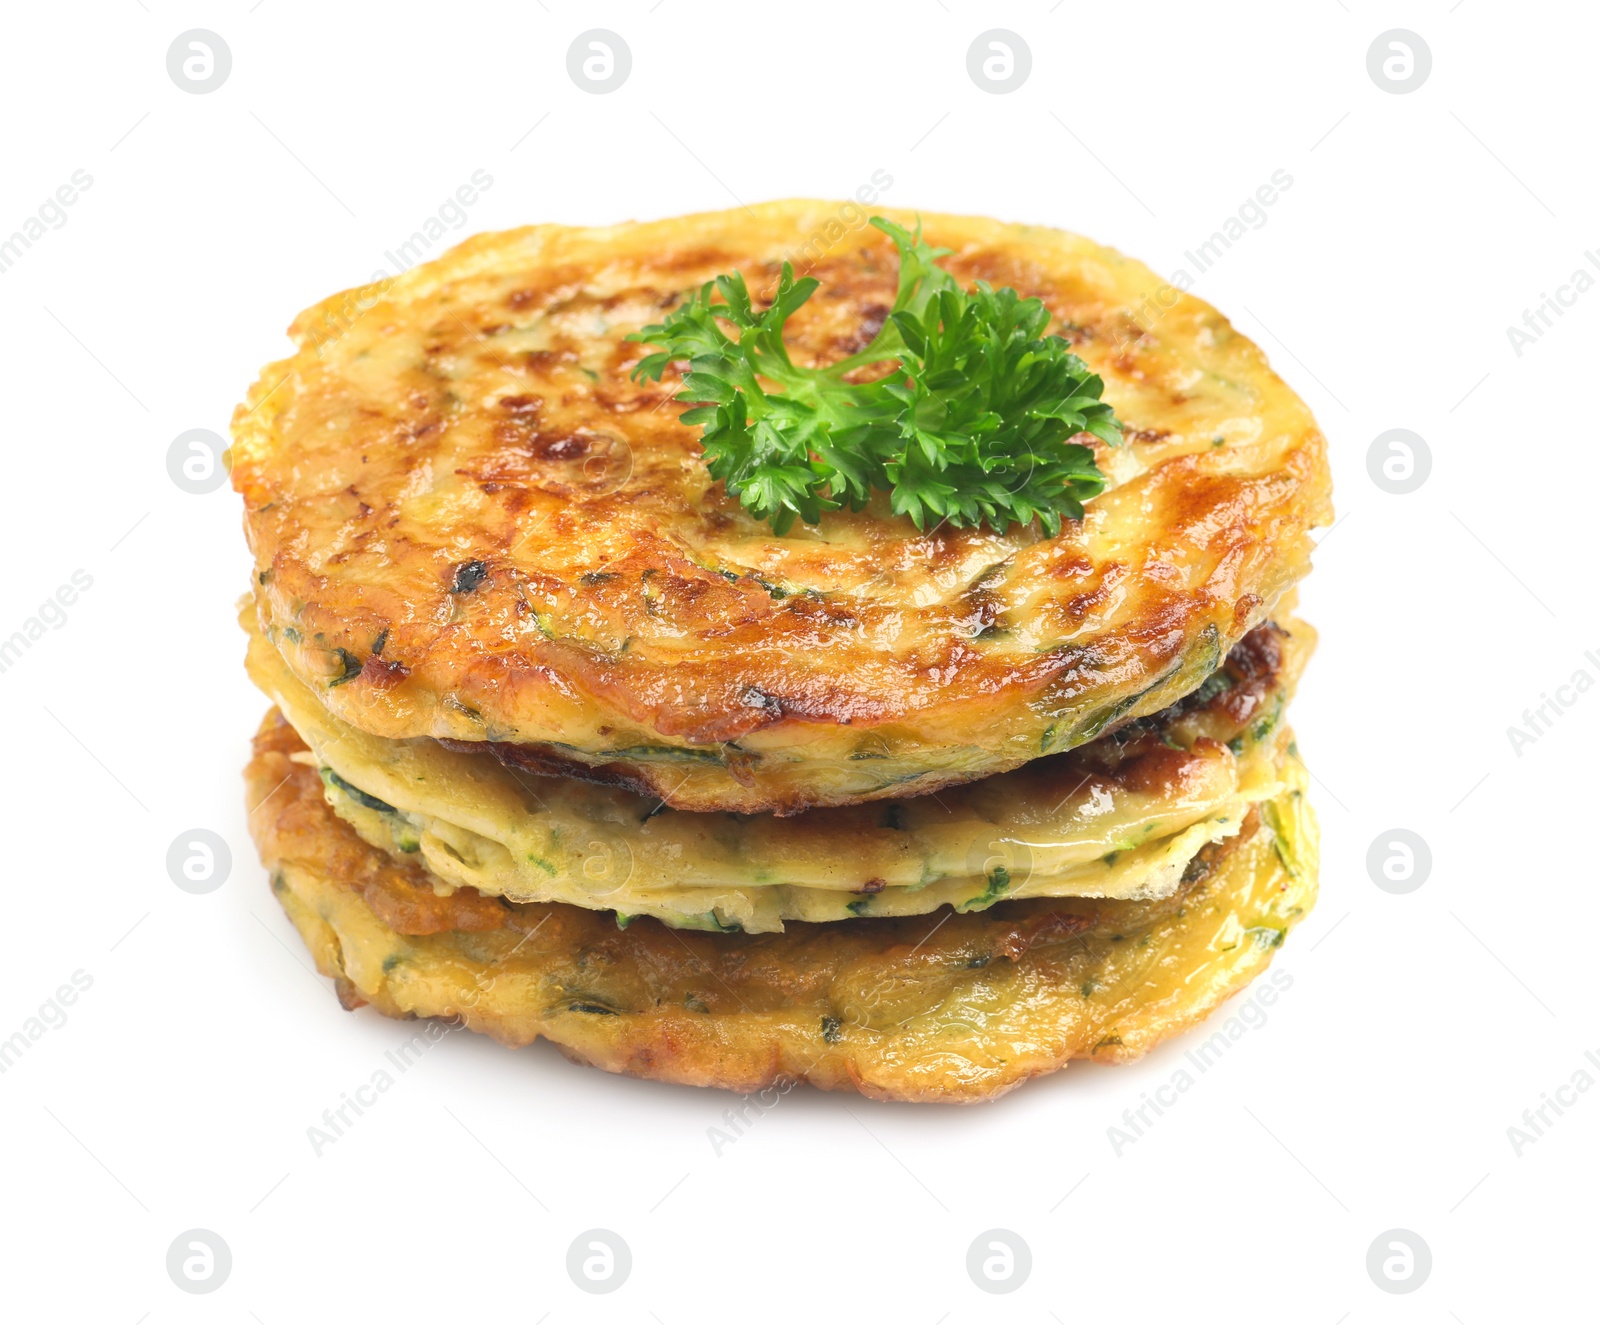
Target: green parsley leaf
x=970 y=425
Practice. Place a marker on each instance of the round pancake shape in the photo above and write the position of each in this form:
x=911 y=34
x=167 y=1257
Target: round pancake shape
x=953 y=1008
x=469 y=523
x=1119 y=817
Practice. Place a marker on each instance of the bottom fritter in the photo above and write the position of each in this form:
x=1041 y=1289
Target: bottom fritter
x=943 y=1007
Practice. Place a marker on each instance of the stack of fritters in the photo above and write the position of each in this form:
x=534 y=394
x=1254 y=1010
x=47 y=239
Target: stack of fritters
x=567 y=745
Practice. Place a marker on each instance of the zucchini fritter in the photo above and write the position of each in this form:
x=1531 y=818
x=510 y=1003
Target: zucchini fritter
x=954 y=1008
x=1119 y=817
x=469 y=523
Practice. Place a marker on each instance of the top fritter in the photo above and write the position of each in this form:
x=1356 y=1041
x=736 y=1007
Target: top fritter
x=470 y=523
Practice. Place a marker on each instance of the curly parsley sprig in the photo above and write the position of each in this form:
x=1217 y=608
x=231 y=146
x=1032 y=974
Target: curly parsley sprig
x=969 y=427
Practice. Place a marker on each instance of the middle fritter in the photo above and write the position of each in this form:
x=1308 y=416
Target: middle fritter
x=1121 y=817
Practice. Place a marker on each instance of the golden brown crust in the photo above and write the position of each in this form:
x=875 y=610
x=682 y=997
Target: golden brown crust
x=953 y=1008
x=469 y=523
x=1117 y=817
x=287 y=803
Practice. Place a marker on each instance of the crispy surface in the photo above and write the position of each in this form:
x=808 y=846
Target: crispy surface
x=468 y=523
x=957 y=1010
x=1119 y=817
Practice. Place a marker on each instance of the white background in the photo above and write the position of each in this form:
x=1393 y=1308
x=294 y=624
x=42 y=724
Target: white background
x=1418 y=1027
